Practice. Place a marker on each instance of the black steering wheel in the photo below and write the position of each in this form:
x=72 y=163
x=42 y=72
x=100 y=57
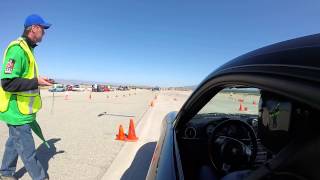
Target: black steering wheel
x=228 y=153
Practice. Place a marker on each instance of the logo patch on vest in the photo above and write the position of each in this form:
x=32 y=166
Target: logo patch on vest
x=9 y=66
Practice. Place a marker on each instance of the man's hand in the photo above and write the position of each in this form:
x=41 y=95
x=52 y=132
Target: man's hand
x=43 y=81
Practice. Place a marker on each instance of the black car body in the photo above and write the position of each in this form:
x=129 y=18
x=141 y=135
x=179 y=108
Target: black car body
x=290 y=69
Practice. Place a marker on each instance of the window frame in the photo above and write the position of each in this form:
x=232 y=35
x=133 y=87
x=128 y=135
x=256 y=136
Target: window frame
x=291 y=88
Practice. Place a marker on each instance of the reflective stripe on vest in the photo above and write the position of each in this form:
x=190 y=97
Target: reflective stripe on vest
x=29 y=102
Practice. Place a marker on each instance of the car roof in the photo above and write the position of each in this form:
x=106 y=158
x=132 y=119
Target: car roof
x=298 y=57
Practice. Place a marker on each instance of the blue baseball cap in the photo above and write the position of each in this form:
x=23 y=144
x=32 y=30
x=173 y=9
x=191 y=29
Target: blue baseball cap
x=35 y=19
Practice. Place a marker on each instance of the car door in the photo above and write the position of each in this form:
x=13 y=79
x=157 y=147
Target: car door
x=166 y=163
x=294 y=89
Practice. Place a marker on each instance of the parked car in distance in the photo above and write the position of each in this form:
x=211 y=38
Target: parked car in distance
x=57 y=88
x=69 y=87
x=78 y=88
x=123 y=88
x=156 y=89
x=100 y=88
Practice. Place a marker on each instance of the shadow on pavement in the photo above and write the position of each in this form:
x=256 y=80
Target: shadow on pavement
x=139 y=167
x=44 y=155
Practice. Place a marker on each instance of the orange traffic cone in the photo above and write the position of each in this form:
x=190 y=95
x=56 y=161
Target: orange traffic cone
x=241 y=107
x=66 y=96
x=132 y=133
x=121 y=136
x=254 y=103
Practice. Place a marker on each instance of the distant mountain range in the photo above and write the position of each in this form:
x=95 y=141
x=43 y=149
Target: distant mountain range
x=74 y=82
x=191 y=87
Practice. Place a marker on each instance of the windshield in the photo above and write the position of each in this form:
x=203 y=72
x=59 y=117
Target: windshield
x=233 y=101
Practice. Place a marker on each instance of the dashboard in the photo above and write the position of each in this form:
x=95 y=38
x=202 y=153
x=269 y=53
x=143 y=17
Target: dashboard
x=201 y=127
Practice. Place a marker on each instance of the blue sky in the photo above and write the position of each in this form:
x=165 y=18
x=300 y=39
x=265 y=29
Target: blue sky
x=165 y=43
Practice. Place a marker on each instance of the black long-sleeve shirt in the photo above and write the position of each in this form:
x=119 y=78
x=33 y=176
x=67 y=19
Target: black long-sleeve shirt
x=19 y=84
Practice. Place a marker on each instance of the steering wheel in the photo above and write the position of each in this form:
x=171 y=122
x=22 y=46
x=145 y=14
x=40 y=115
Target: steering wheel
x=227 y=153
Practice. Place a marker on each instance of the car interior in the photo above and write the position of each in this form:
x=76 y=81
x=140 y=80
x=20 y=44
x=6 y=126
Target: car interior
x=249 y=133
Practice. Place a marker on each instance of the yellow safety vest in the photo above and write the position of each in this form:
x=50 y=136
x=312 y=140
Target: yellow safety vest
x=29 y=102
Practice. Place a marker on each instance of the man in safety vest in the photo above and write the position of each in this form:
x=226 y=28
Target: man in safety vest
x=20 y=100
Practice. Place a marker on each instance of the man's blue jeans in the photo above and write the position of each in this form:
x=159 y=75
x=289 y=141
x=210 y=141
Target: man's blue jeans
x=20 y=142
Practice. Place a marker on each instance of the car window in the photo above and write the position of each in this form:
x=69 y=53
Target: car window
x=233 y=101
